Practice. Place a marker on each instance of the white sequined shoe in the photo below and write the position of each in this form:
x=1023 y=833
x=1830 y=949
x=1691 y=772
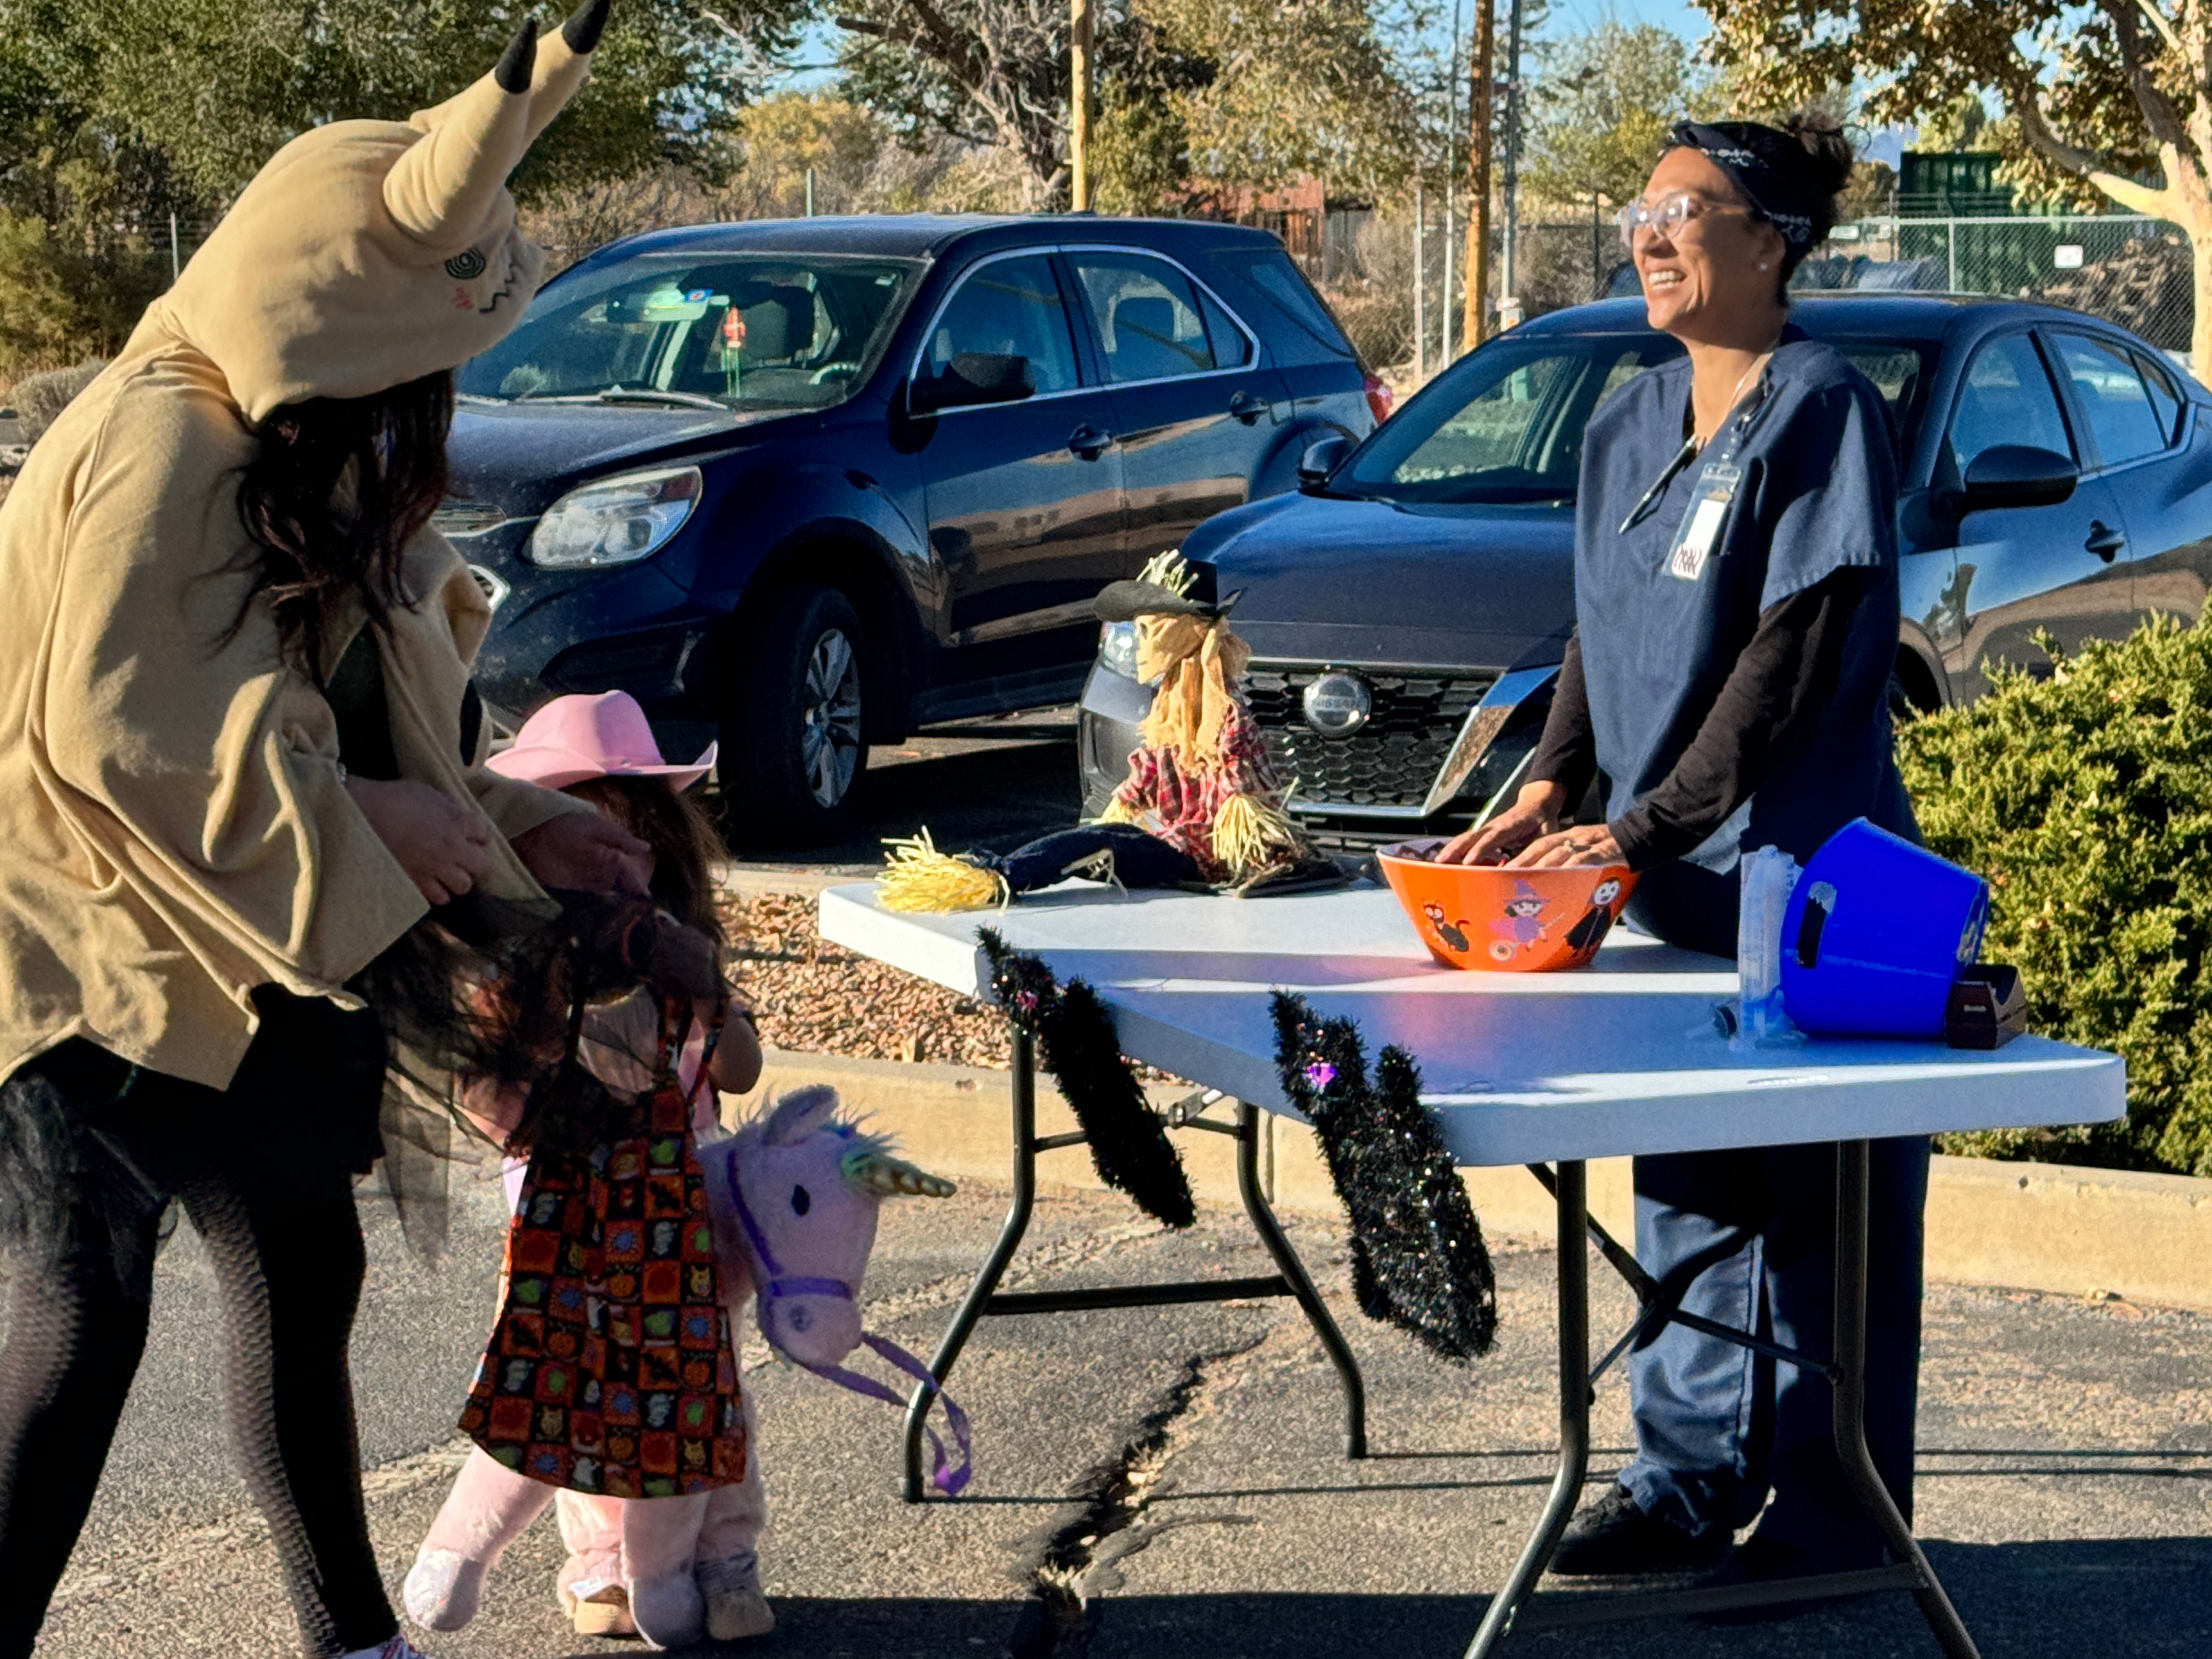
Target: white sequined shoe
x=736 y=1609
x=442 y=1590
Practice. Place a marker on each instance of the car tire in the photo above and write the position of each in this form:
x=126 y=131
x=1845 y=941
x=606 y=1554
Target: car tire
x=794 y=756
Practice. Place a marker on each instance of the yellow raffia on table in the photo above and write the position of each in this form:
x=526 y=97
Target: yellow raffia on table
x=917 y=877
x=1250 y=833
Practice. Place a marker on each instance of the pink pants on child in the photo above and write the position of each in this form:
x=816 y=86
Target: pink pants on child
x=609 y=1540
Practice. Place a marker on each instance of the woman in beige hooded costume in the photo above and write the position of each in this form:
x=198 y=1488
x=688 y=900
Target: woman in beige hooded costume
x=238 y=761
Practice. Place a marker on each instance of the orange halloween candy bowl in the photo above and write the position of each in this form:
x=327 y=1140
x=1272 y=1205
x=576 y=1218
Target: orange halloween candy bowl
x=1513 y=921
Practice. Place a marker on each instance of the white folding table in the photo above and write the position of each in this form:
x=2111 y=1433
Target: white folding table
x=1537 y=1069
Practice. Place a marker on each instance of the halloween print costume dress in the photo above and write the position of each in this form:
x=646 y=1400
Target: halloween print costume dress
x=610 y=1370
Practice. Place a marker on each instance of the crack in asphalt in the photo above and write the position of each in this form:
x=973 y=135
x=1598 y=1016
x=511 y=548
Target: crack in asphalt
x=1067 y=1564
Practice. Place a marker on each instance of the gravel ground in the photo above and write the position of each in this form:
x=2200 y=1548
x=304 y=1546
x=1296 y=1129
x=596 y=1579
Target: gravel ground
x=820 y=998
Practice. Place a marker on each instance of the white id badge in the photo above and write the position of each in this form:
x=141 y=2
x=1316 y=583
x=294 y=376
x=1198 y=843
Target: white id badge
x=1701 y=525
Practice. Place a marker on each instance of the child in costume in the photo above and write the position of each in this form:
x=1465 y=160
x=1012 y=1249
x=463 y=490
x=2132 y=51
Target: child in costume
x=679 y=1565
x=238 y=765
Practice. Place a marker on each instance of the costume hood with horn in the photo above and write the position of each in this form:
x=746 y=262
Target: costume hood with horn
x=176 y=827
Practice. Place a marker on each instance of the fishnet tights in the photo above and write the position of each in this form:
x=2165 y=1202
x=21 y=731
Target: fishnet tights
x=287 y=1253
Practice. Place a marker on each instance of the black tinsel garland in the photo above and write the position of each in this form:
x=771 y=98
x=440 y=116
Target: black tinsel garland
x=1129 y=1146
x=1419 y=1261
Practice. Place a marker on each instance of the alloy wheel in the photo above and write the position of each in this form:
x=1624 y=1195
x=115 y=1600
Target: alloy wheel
x=830 y=731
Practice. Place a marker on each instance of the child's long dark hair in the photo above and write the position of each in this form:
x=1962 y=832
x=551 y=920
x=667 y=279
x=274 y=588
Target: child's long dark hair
x=685 y=847
x=565 y=1119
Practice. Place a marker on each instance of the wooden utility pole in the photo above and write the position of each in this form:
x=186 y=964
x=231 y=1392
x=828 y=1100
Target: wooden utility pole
x=1079 y=105
x=1482 y=77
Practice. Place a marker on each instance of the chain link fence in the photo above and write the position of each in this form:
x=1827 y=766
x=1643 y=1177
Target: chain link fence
x=1395 y=280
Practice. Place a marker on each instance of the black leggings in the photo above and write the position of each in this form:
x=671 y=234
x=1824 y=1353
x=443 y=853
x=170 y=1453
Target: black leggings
x=286 y=1246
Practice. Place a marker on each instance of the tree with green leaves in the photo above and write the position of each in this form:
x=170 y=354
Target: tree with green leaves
x=119 y=113
x=2105 y=101
x=1206 y=94
x=1600 y=113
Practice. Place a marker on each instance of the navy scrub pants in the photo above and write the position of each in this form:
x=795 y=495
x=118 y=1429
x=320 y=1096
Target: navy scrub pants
x=1747 y=1238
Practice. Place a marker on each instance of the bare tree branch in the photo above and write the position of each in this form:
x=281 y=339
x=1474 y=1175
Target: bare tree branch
x=2164 y=122
x=2136 y=197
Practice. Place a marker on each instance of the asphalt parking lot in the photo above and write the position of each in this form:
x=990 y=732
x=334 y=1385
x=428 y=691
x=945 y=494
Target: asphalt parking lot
x=1166 y=1483
x=995 y=783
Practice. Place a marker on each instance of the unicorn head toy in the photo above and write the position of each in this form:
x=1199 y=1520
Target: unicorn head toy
x=795 y=1194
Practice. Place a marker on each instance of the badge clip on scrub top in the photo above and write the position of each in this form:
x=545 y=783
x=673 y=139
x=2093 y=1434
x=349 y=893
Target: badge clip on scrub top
x=1718 y=482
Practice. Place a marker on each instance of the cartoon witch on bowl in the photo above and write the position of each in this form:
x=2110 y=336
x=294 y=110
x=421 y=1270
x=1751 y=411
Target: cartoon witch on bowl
x=1523 y=927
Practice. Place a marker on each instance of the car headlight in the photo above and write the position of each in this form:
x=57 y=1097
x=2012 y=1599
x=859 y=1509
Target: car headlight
x=614 y=521
x=1117 y=648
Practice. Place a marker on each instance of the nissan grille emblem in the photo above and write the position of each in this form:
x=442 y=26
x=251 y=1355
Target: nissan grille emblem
x=1337 y=705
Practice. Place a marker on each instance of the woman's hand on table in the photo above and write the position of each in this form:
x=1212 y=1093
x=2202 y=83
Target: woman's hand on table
x=1586 y=844
x=586 y=853
x=1533 y=816
x=443 y=847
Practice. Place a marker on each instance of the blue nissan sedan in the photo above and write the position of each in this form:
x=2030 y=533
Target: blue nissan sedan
x=1407 y=610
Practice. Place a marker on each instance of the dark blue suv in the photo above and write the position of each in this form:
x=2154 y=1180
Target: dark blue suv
x=805 y=485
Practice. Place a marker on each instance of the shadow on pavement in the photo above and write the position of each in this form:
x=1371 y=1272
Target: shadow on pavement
x=1014 y=784
x=2029 y=1600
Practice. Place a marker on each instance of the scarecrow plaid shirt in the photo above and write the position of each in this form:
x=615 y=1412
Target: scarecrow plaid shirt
x=1180 y=806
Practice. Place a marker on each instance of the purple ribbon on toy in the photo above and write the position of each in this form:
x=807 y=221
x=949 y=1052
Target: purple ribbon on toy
x=951 y=1482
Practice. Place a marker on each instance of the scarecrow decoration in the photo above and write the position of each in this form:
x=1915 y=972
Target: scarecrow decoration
x=1201 y=782
x=1201 y=806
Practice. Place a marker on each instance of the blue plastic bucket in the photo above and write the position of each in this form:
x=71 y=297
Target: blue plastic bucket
x=1874 y=934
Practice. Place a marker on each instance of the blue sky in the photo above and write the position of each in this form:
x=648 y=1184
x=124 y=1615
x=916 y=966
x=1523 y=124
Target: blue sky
x=1686 y=21
x=1568 y=16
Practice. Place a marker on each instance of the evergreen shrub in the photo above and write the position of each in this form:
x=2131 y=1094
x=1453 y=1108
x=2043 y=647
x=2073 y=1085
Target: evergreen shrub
x=2085 y=797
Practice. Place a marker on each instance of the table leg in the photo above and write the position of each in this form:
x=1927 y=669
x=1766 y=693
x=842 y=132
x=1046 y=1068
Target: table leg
x=1293 y=1271
x=979 y=1293
x=1852 y=1180
x=1570 y=1188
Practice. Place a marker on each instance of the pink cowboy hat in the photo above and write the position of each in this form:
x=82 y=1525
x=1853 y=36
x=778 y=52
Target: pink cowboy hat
x=574 y=737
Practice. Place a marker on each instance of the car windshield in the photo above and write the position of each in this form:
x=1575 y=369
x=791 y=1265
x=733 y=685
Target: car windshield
x=1506 y=425
x=709 y=329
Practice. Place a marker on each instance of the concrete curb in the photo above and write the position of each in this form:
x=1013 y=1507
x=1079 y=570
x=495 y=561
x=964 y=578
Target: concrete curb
x=2036 y=1226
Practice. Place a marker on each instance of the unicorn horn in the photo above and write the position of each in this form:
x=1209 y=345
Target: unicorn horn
x=894 y=1177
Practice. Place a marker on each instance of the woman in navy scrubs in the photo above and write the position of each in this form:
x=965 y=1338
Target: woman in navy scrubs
x=1736 y=608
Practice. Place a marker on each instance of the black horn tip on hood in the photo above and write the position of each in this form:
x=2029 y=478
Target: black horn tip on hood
x=520 y=57
x=585 y=27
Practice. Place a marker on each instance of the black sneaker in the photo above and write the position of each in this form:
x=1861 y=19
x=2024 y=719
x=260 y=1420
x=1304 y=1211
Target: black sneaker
x=1615 y=1537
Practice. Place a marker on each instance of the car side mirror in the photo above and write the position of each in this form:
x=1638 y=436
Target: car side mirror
x=2016 y=475
x=973 y=378
x=1320 y=462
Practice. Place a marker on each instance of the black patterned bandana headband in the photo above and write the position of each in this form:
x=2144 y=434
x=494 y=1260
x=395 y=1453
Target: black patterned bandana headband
x=1765 y=165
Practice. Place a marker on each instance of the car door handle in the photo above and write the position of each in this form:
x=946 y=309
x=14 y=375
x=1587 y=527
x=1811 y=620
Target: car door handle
x=1246 y=408
x=1088 y=442
x=2104 y=541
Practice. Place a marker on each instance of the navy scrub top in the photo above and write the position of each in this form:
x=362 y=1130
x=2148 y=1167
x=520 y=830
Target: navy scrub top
x=1814 y=491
